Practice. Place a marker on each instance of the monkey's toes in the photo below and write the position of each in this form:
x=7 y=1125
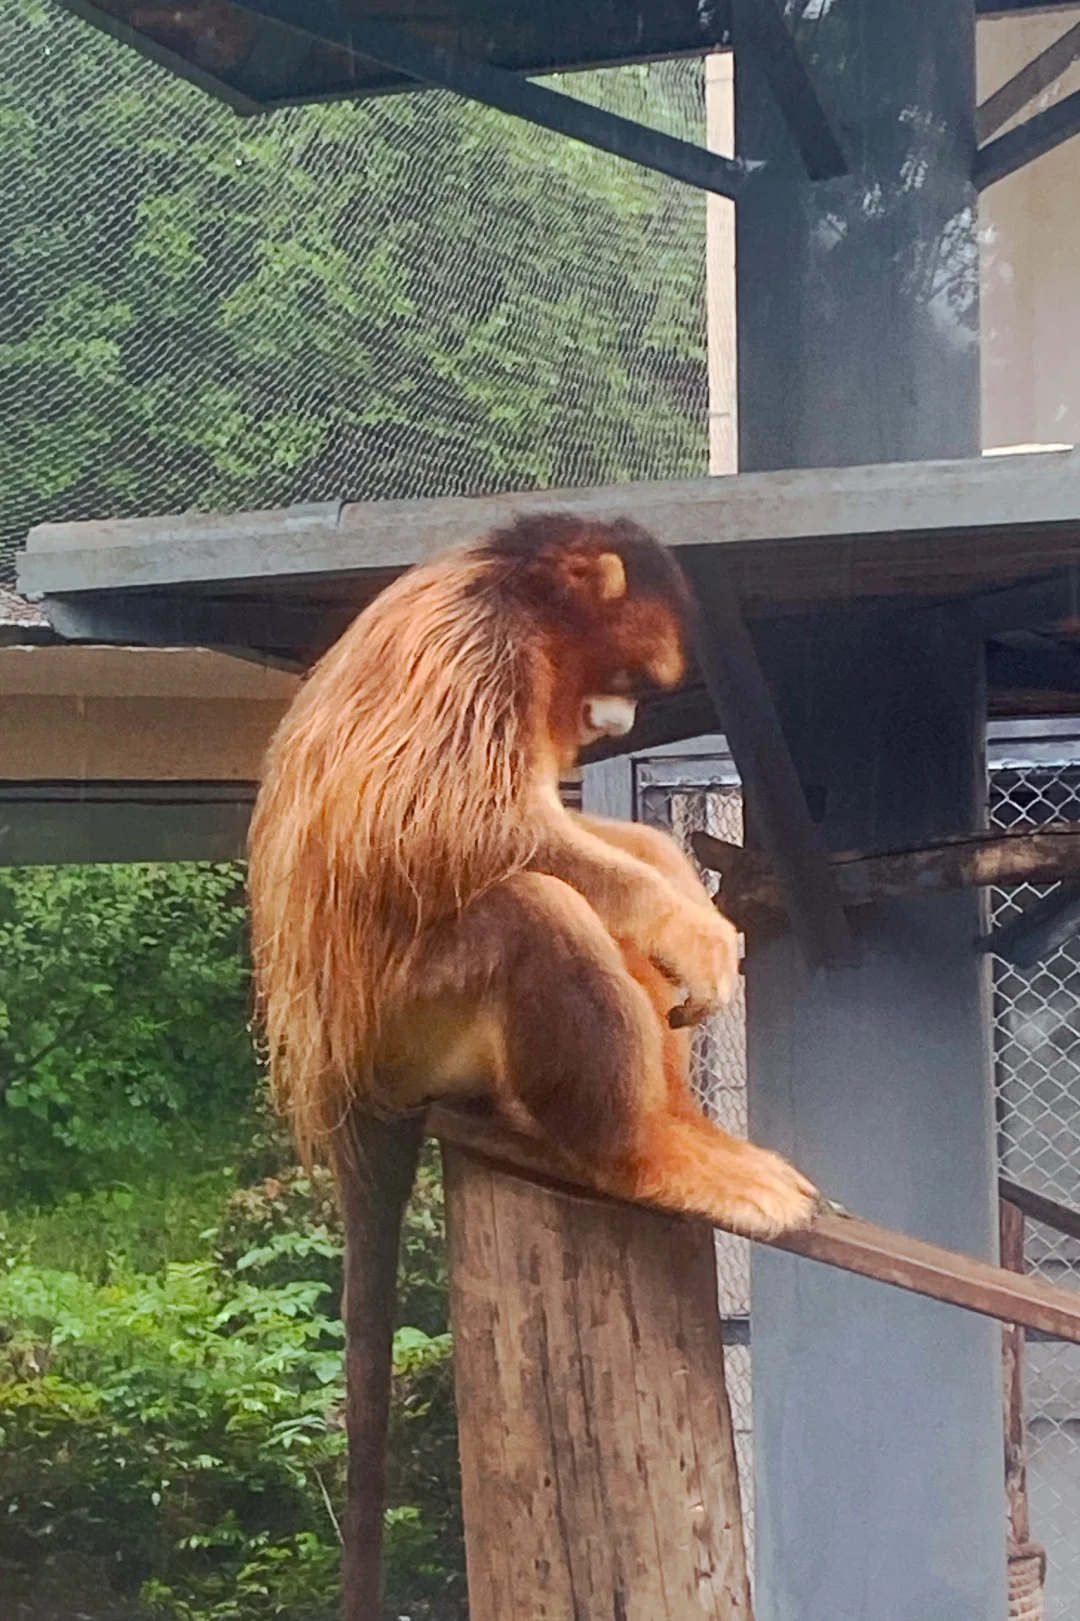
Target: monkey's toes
x=777 y=1200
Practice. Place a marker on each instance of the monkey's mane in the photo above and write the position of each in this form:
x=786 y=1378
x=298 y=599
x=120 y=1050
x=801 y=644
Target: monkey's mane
x=394 y=792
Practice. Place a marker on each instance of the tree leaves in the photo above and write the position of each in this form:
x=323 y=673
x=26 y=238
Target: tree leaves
x=124 y=1034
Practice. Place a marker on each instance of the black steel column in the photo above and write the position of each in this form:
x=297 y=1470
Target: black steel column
x=877 y=1431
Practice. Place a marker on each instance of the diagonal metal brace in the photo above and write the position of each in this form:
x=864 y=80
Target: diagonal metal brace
x=395 y=48
x=760 y=25
x=1028 y=141
x=1038 y=75
x=1037 y=932
x=736 y=684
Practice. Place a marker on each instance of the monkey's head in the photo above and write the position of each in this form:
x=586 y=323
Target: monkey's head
x=614 y=610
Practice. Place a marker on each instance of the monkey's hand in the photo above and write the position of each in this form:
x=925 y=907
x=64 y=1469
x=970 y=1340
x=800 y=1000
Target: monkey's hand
x=697 y=948
x=683 y=933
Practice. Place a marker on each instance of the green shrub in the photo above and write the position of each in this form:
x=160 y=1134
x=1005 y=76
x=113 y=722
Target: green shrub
x=184 y=1430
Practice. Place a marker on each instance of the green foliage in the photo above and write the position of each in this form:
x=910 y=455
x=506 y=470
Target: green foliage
x=170 y=1342
x=182 y=1433
x=123 y=1011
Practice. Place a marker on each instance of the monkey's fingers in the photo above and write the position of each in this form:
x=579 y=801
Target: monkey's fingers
x=687 y=1014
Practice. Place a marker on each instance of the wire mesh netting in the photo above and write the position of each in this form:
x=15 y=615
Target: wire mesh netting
x=720 y=1078
x=1037 y=1048
x=413 y=296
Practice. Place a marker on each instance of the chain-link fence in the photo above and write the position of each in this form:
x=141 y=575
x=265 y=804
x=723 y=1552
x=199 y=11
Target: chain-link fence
x=1037 y=1049
x=1033 y=781
x=412 y=296
x=687 y=795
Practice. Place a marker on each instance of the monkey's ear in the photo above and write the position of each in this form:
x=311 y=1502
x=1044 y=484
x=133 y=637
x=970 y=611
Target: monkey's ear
x=611 y=576
x=591 y=577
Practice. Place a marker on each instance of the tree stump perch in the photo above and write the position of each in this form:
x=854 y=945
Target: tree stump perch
x=597 y=1452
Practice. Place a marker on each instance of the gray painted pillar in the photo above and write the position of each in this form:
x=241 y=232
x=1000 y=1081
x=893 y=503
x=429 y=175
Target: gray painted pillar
x=877 y=1429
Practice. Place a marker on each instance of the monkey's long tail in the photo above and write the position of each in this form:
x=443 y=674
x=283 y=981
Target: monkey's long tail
x=375 y=1163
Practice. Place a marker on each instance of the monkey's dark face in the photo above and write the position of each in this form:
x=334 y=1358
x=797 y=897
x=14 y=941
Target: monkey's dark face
x=631 y=655
x=613 y=608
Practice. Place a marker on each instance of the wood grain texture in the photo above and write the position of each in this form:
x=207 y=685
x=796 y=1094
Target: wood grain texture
x=751 y=891
x=598 y=1462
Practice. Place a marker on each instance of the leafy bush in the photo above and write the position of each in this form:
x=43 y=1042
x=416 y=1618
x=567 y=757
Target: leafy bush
x=171 y=1397
x=185 y=1431
x=124 y=1003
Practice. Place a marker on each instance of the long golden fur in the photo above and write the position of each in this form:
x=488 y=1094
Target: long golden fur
x=415 y=775
x=419 y=794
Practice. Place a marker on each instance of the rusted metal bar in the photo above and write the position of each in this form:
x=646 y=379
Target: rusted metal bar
x=1037 y=1207
x=750 y=891
x=1012 y=1356
x=834 y=1239
x=1027 y=1560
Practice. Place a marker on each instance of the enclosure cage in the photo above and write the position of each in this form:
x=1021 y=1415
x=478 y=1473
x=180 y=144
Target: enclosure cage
x=1033 y=780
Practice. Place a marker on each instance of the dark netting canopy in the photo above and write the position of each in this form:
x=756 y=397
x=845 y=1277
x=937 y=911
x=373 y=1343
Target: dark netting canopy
x=411 y=295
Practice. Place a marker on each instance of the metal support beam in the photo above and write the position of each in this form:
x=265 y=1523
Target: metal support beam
x=1030 y=140
x=1032 y=668
x=876 y=1081
x=1039 y=74
x=1031 y=605
x=744 y=706
x=759 y=26
x=428 y=64
x=148 y=620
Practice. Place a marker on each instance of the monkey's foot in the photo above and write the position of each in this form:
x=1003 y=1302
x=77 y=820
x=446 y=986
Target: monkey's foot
x=766 y=1196
x=689 y=1165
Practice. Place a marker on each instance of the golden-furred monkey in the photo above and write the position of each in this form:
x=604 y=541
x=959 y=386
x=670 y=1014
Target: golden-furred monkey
x=431 y=923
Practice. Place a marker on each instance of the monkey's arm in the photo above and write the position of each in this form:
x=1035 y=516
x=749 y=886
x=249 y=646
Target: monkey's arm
x=653 y=847
x=681 y=932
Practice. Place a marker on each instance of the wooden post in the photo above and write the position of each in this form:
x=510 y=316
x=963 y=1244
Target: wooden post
x=597 y=1455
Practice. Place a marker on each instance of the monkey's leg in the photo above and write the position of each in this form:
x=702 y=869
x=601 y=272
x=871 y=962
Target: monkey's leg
x=582 y=1049
x=676 y=1045
x=683 y=933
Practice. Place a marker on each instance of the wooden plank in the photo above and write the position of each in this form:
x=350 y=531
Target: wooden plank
x=939 y=1273
x=598 y=1461
x=834 y=1239
x=751 y=891
x=799 y=536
